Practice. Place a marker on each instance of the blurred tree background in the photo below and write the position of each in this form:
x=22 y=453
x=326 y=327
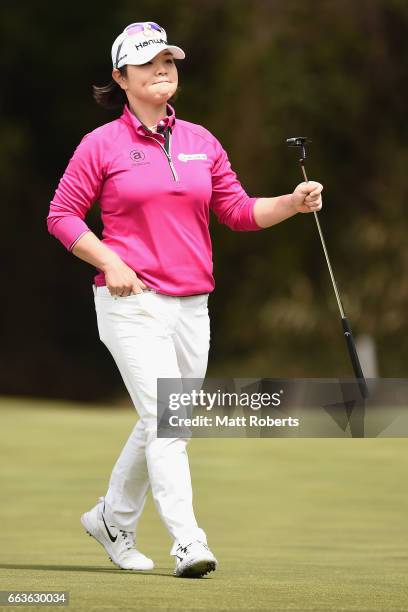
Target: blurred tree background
x=256 y=73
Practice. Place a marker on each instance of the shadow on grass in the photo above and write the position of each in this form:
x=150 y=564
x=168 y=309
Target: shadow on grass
x=81 y=568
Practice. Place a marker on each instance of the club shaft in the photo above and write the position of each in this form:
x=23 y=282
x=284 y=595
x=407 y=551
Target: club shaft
x=355 y=362
x=319 y=229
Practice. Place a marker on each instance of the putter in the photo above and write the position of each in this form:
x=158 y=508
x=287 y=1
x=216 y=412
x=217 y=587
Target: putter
x=301 y=142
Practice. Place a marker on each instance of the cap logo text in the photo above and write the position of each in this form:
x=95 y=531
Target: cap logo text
x=154 y=41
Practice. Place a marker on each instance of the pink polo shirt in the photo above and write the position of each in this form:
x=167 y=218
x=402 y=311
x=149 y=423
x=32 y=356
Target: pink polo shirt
x=155 y=206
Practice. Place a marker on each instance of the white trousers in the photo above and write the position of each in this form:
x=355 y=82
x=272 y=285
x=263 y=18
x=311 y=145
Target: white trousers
x=150 y=336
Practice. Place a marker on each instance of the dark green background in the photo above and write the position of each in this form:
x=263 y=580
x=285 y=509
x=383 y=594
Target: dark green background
x=255 y=73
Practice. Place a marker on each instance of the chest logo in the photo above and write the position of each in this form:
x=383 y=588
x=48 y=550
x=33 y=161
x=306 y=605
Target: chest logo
x=137 y=156
x=184 y=157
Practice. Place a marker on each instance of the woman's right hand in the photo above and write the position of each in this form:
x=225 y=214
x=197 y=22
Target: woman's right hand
x=122 y=280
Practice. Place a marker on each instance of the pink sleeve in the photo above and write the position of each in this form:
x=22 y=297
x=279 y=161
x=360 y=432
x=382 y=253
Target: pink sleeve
x=229 y=200
x=78 y=189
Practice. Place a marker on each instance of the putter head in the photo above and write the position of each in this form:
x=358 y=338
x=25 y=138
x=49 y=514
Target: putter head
x=298 y=141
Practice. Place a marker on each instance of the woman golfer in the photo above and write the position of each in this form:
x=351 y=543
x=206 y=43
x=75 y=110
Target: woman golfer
x=156 y=178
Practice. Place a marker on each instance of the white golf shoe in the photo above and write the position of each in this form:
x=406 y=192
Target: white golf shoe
x=117 y=542
x=194 y=560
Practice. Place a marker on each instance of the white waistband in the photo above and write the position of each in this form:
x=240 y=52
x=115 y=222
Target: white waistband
x=103 y=290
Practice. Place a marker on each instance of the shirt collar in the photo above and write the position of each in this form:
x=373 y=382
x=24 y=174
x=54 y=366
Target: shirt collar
x=131 y=119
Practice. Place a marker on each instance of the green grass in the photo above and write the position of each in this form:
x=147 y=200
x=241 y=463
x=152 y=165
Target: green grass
x=296 y=524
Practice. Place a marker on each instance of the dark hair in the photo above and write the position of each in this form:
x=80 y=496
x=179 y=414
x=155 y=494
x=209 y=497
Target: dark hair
x=112 y=96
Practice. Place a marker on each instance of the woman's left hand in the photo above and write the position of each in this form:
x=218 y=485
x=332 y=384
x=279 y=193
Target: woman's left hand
x=307 y=197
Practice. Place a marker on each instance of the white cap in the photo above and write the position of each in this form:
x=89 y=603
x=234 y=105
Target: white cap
x=139 y=43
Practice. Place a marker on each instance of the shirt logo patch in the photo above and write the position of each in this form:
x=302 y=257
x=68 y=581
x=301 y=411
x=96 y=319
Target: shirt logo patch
x=137 y=155
x=184 y=157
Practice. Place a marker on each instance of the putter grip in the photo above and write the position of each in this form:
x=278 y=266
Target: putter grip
x=358 y=372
